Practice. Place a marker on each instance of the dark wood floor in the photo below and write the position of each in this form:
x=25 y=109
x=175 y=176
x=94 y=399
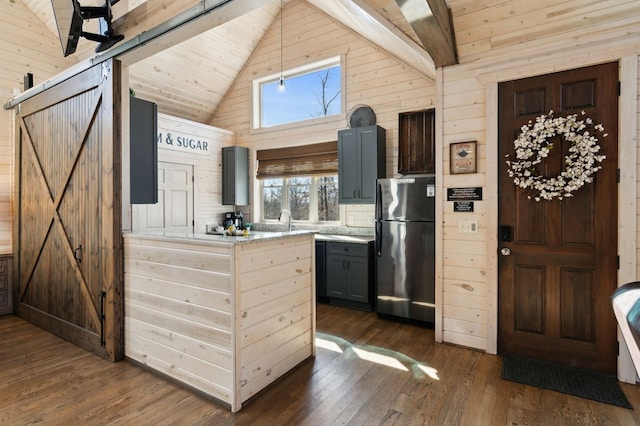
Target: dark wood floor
x=367 y=371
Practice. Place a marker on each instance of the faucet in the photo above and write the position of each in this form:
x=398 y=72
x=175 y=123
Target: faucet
x=288 y=216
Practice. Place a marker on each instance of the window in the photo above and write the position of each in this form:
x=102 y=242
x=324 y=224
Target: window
x=311 y=199
x=302 y=179
x=312 y=91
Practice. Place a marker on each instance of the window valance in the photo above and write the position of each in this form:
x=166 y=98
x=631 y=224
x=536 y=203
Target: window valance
x=315 y=159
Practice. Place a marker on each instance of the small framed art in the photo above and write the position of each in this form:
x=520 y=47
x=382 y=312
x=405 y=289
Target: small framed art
x=463 y=157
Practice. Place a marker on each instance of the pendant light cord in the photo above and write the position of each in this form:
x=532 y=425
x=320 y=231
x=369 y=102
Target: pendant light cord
x=281 y=83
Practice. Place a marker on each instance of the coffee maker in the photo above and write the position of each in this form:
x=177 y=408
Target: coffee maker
x=233 y=218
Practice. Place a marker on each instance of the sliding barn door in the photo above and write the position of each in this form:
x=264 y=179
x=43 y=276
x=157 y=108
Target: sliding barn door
x=69 y=241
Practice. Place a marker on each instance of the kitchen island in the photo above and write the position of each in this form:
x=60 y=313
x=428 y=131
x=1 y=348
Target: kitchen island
x=223 y=315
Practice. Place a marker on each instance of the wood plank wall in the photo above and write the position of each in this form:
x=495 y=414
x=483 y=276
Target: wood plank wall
x=496 y=43
x=207 y=167
x=225 y=319
x=183 y=331
x=277 y=309
x=25 y=46
x=372 y=77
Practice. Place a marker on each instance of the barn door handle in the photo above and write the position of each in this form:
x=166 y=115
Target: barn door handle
x=75 y=253
x=103 y=295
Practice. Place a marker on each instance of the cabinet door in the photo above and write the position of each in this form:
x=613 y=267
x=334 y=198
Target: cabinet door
x=416 y=142
x=368 y=167
x=235 y=176
x=143 y=151
x=347 y=166
x=336 y=276
x=358 y=279
x=321 y=271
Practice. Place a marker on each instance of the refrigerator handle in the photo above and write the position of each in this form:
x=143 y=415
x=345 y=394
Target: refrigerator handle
x=378 y=201
x=378 y=240
x=378 y=230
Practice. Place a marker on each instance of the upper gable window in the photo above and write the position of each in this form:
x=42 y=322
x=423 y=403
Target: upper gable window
x=310 y=92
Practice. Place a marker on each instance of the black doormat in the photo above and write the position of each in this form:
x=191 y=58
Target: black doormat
x=572 y=381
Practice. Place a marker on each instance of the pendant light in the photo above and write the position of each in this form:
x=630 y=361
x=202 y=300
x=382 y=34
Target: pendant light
x=281 y=85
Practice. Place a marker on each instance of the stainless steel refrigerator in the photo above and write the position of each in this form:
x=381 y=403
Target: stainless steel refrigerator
x=405 y=248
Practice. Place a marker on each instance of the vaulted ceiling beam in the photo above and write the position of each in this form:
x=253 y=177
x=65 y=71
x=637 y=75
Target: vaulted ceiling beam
x=366 y=21
x=161 y=24
x=432 y=23
x=148 y=30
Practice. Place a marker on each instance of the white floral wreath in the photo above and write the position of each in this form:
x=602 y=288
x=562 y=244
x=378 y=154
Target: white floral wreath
x=532 y=146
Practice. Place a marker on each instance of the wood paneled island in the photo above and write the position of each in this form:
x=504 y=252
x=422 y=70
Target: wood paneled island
x=223 y=315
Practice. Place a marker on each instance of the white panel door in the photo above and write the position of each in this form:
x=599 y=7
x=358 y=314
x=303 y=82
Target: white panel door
x=174 y=210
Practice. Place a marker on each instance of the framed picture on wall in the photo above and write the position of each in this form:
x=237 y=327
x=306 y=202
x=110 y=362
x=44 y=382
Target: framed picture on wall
x=463 y=157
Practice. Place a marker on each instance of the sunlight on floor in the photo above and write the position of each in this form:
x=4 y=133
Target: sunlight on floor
x=332 y=346
x=376 y=355
x=380 y=359
x=430 y=371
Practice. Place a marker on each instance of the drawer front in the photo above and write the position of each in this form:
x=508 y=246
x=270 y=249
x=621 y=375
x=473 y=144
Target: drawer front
x=3 y=266
x=350 y=249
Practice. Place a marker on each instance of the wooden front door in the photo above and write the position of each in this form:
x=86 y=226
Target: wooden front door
x=556 y=283
x=69 y=238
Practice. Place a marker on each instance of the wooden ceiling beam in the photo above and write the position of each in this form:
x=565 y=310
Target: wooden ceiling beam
x=432 y=23
x=152 y=27
x=360 y=17
x=162 y=24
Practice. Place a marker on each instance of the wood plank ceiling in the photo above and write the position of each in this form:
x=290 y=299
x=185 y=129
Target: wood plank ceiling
x=190 y=79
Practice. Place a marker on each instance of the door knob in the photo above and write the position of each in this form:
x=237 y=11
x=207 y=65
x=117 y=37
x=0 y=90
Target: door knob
x=505 y=251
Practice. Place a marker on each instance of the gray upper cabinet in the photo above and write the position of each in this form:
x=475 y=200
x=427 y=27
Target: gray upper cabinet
x=361 y=160
x=235 y=176
x=143 y=151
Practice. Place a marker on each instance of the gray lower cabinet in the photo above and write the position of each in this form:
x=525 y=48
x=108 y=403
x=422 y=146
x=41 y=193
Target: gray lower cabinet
x=321 y=271
x=361 y=160
x=349 y=274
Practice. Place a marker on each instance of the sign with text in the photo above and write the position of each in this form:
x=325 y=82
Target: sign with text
x=463 y=206
x=473 y=193
x=181 y=141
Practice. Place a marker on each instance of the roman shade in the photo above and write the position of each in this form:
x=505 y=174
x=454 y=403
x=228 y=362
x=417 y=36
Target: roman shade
x=304 y=160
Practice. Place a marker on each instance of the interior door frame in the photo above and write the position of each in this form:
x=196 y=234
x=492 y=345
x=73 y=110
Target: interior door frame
x=628 y=129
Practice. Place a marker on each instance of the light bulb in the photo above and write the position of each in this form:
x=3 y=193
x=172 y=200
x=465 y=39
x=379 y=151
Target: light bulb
x=281 y=86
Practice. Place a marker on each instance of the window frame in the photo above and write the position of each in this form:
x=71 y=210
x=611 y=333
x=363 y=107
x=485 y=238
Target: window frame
x=256 y=118
x=313 y=201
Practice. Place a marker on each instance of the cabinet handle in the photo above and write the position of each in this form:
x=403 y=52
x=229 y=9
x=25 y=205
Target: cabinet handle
x=354 y=193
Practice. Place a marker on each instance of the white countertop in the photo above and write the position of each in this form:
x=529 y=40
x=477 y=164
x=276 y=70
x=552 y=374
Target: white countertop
x=359 y=239
x=216 y=238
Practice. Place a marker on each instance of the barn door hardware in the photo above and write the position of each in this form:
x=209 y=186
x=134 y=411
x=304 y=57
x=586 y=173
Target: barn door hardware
x=103 y=295
x=77 y=253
